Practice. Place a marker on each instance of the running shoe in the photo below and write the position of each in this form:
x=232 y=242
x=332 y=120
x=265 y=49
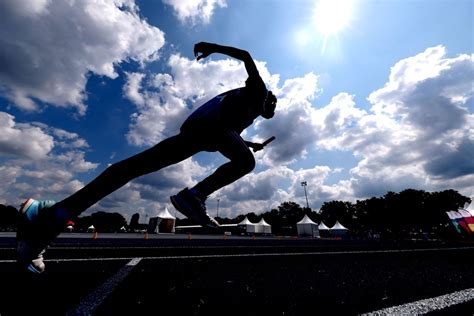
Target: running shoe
x=31 y=243
x=193 y=207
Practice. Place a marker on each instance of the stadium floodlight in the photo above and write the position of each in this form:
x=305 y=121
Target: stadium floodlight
x=304 y=184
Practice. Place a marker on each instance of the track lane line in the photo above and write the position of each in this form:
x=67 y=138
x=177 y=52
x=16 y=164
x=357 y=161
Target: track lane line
x=427 y=305
x=319 y=253
x=92 y=301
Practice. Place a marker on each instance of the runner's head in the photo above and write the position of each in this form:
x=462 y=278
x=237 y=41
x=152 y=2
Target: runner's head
x=269 y=105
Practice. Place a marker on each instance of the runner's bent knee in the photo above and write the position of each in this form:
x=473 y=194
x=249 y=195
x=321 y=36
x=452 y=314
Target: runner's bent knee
x=246 y=162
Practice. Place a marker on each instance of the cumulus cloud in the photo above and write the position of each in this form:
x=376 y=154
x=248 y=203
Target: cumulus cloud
x=261 y=191
x=419 y=129
x=164 y=100
x=49 y=47
x=195 y=11
x=416 y=133
x=39 y=161
x=294 y=107
x=8 y=174
x=23 y=140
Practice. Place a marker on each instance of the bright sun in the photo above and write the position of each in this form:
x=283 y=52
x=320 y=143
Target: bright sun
x=332 y=16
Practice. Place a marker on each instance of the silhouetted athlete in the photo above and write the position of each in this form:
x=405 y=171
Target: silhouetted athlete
x=214 y=126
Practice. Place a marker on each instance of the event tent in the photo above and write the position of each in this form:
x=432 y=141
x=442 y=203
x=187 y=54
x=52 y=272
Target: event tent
x=338 y=230
x=306 y=227
x=248 y=226
x=164 y=222
x=263 y=227
x=322 y=226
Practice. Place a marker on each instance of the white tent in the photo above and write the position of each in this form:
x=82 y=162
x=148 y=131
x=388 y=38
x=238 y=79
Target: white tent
x=338 y=226
x=248 y=226
x=263 y=227
x=322 y=226
x=91 y=229
x=164 y=222
x=165 y=214
x=324 y=231
x=338 y=230
x=306 y=227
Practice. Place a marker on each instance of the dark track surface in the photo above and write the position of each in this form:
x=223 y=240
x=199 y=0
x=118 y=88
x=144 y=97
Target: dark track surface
x=210 y=275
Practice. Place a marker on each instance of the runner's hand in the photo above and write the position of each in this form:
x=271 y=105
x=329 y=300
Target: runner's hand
x=257 y=147
x=203 y=49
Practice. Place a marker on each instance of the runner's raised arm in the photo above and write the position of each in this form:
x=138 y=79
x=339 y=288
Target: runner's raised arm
x=204 y=49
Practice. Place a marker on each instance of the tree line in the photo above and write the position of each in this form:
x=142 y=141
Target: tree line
x=394 y=215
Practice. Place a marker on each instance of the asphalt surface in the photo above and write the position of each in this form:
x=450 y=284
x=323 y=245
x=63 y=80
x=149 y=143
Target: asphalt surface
x=210 y=275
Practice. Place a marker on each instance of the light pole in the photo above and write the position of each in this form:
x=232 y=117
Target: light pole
x=304 y=184
x=217 y=208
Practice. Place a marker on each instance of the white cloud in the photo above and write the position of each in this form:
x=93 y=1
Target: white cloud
x=165 y=100
x=418 y=132
x=195 y=11
x=8 y=174
x=48 y=47
x=295 y=122
x=39 y=161
x=23 y=140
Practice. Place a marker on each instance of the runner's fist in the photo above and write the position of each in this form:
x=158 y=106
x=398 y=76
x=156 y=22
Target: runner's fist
x=203 y=49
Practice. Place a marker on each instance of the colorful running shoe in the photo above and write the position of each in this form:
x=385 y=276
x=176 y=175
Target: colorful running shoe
x=31 y=243
x=193 y=207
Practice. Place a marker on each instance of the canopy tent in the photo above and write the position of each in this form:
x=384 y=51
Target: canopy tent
x=306 y=227
x=164 y=222
x=338 y=226
x=338 y=230
x=263 y=227
x=248 y=226
x=322 y=226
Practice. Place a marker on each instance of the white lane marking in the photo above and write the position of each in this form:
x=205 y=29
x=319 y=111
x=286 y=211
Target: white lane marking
x=90 y=303
x=319 y=253
x=427 y=305
x=444 y=300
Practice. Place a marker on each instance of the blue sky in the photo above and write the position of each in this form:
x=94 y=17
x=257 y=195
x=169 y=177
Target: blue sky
x=374 y=96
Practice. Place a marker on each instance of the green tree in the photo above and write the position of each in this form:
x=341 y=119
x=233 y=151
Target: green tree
x=134 y=221
x=333 y=211
x=108 y=222
x=8 y=218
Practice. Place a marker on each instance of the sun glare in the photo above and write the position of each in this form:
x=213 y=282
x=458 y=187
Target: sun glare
x=332 y=16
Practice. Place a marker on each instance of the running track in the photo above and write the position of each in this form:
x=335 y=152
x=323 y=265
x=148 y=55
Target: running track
x=208 y=275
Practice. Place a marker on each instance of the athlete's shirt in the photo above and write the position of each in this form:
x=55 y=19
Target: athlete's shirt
x=235 y=109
